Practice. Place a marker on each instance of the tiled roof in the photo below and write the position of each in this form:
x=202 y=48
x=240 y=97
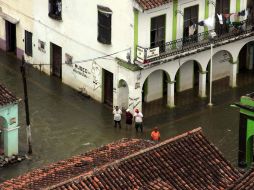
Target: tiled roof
x=67 y=169
x=150 y=4
x=245 y=182
x=186 y=162
x=6 y=97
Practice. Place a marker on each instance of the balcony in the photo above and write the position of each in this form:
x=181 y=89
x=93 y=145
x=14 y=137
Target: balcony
x=147 y=57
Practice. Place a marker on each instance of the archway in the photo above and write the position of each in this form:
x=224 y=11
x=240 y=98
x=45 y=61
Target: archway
x=222 y=72
x=123 y=94
x=187 y=82
x=154 y=92
x=245 y=72
x=3 y=125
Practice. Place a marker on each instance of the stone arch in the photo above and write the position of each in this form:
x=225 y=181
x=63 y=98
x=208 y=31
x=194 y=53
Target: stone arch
x=123 y=94
x=226 y=56
x=184 y=63
x=145 y=75
x=240 y=47
x=154 y=85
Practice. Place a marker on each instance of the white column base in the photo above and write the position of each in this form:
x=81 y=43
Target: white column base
x=171 y=95
x=233 y=75
x=202 y=85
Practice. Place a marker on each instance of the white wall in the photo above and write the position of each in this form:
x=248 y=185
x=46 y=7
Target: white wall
x=221 y=65
x=154 y=86
x=186 y=76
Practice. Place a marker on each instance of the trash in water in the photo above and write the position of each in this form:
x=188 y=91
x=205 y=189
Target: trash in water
x=86 y=144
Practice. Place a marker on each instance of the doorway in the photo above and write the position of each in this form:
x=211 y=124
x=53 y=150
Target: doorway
x=1 y=136
x=10 y=31
x=108 y=87
x=190 y=17
x=56 y=60
x=222 y=7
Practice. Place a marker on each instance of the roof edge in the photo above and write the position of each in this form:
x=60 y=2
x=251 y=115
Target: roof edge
x=88 y=174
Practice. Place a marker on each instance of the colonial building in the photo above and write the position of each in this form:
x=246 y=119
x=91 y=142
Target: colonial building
x=130 y=52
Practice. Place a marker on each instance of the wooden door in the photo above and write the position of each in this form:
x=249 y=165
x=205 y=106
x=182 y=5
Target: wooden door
x=56 y=60
x=10 y=37
x=108 y=88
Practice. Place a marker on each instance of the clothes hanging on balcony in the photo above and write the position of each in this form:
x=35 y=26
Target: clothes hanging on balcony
x=192 y=29
x=220 y=18
x=201 y=23
x=227 y=17
x=242 y=13
x=209 y=22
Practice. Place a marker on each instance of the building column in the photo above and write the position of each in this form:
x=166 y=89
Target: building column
x=171 y=94
x=251 y=57
x=135 y=98
x=233 y=74
x=115 y=91
x=202 y=84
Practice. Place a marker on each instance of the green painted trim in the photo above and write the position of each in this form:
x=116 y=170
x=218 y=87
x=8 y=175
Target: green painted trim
x=174 y=27
x=129 y=66
x=135 y=32
x=206 y=12
x=238 y=5
x=249 y=142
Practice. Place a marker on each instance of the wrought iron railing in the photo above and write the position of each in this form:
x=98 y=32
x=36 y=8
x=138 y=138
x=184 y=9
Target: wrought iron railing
x=202 y=39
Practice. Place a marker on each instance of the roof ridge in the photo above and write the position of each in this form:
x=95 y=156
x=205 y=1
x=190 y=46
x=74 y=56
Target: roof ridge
x=89 y=173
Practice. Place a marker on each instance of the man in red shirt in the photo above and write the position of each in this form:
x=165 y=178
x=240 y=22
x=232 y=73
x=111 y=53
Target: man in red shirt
x=155 y=135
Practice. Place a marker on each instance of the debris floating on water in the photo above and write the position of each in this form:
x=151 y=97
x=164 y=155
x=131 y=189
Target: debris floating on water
x=6 y=161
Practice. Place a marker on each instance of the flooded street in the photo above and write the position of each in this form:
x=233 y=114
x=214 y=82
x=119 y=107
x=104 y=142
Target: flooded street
x=65 y=123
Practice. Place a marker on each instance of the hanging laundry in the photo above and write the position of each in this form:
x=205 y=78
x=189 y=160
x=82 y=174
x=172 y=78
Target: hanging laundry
x=227 y=17
x=201 y=23
x=242 y=13
x=209 y=22
x=192 y=29
x=220 y=18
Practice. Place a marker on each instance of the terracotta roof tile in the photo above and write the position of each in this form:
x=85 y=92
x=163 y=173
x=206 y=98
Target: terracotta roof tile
x=150 y=4
x=186 y=162
x=75 y=166
x=245 y=182
x=6 y=97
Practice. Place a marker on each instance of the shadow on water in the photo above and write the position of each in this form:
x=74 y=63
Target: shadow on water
x=65 y=123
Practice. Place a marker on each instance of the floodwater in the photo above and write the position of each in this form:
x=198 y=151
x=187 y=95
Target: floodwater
x=65 y=123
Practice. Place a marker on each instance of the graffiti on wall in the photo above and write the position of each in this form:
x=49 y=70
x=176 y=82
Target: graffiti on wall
x=78 y=69
x=96 y=72
x=134 y=102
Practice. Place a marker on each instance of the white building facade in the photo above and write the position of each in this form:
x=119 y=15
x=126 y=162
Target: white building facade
x=92 y=45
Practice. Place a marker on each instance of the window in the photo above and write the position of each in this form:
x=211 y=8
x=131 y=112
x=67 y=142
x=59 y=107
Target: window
x=28 y=43
x=158 y=32
x=190 y=18
x=55 y=9
x=104 y=25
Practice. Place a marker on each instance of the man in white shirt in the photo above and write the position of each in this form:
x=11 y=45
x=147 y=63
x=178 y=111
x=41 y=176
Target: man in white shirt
x=117 y=116
x=138 y=120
